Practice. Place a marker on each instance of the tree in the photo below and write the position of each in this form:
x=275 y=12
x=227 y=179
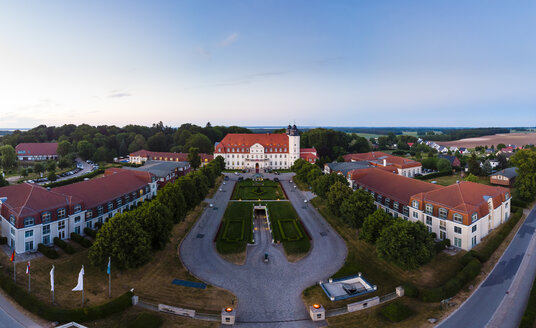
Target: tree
x=322 y=184
x=503 y=161
x=85 y=149
x=525 y=161
x=374 y=224
x=8 y=156
x=52 y=176
x=430 y=163
x=443 y=165
x=501 y=146
x=338 y=192
x=407 y=244
x=64 y=148
x=138 y=143
x=486 y=168
x=471 y=177
x=186 y=186
x=24 y=172
x=156 y=220
x=51 y=166
x=194 y=158
x=474 y=165
x=101 y=154
x=171 y=197
x=201 y=142
x=123 y=239
x=39 y=168
x=356 y=208
x=157 y=142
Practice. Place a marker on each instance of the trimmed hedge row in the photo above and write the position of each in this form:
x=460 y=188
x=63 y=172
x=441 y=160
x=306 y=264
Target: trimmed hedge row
x=52 y=313
x=63 y=245
x=434 y=175
x=75 y=179
x=48 y=251
x=90 y=232
x=86 y=243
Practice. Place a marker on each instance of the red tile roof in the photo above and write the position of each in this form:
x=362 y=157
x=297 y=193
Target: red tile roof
x=168 y=156
x=246 y=140
x=393 y=186
x=377 y=158
x=115 y=183
x=36 y=149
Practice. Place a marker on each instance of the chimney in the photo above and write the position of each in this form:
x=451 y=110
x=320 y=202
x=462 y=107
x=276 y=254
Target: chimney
x=384 y=162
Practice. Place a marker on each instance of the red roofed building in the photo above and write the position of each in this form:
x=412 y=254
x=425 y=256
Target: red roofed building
x=400 y=165
x=263 y=151
x=464 y=212
x=37 y=151
x=31 y=214
x=143 y=155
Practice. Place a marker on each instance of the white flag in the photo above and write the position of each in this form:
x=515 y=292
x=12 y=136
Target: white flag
x=80 y=285
x=52 y=279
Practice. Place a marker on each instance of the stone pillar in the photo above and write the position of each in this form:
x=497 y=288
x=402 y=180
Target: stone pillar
x=399 y=291
x=317 y=312
x=228 y=316
x=135 y=300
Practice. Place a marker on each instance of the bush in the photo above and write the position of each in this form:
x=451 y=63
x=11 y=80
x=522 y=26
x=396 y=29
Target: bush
x=410 y=290
x=432 y=294
x=519 y=203
x=3 y=240
x=396 y=312
x=86 y=243
x=73 y=180
x=146 y=320
x=48 y=251
x=90 y=232
x=441 y=245
x=63 y=245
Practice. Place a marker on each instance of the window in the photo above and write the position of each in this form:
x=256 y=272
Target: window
x=415 y=204
x=119 y=202
x=29 y=246
x=443 y=213
x=415 y=215
x=457 y=218
x=442 y=225
x=379 y=198
x=428 y=220
x=77 y=208
x=127 y=198
x=457 y=230
x=100 y=210
x=457 y=242
x=442 y=235
x=474 y=217
x=29 y=222
x=473 y=229
x=46 y=240
x=77 y=230
x=12 y=231
x=12 y=219
x=387 y=202
x=61 y=225
x=429 y=209
x=473 y=241
x=28 y=234
x=406 y=211
x=61 y=213
x=46 y=229
x=88 y=224
x=110 y=206
x=89 y=214
x=77 y=219
x=395 y=205
x=45 y=217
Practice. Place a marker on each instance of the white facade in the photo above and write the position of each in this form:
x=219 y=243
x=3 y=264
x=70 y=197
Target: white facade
x=410 y=172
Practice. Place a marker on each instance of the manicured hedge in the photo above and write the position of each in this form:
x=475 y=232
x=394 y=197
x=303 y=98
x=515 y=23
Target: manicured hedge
x=146 y=320
x=51 y=313
x=63 y=245
x=434 y=175
x=441 y=245
x=86 y=243
x=90 y=232
x=519 y=203
x=3 y=240
x=73 y=180
x=396 y=312
x=48 y=251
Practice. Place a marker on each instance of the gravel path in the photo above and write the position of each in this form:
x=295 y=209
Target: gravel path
x=268 y=293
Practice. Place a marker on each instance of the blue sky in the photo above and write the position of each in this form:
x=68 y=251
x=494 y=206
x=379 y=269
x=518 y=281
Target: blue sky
x=338 y=63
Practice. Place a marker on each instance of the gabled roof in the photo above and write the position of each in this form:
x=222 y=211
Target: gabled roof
x=247 y=140
x=346 y=167
x=27 y=199
x=115 y=183
x=180 y=157
x=160 y=169
x=510 y=172
x=37 y=148
x=378 y=157
x=394 y=186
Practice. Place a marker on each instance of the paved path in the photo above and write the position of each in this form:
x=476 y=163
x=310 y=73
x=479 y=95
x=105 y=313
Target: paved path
x=268 y=293
x=501 y=299
x=10 y=317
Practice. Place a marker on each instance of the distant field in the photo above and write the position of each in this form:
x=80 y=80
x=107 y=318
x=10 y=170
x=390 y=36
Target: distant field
x=369 y=135
x=410 y=133
x=518 y=139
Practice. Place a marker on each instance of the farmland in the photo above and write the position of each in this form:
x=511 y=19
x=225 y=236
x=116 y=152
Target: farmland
x=518 y=139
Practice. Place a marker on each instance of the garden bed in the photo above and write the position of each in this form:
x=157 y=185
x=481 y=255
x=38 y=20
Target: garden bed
x=255 y=190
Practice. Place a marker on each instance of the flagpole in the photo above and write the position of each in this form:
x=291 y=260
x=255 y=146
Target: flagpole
x=14 y=272
x=109 y=277
x=29 y=285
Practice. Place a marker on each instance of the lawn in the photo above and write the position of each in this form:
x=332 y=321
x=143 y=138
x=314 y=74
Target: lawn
x=236 y=230
x=253 y=190
x=287 y=229
x=385 y=275
x=152 y=282
x=451 y=179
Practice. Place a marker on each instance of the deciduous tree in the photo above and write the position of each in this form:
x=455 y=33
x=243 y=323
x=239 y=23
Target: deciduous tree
x=374 y=224
x=356 y=208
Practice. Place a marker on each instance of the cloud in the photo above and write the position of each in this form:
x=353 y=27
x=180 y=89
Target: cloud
x=119 y=95
x=203 y=52
x=229 y=40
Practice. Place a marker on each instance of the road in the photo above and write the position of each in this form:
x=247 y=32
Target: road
x=86 y=168
x=10 y=317
x=500 y=300
x=268 y=293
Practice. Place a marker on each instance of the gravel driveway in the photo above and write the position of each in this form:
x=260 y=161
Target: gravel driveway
x=268 y=293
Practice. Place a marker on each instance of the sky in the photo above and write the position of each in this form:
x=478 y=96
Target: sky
x=254 y=63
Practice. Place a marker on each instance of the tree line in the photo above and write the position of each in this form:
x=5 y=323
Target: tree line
x=130 y=238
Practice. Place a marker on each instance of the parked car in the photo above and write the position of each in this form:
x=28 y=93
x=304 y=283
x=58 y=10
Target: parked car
x=226 y=177
x=276 y=179
x=265 y=257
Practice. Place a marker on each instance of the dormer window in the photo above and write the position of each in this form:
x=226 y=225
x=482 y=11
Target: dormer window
x=45 y=217
x=415 y=204
x=429 y=209
x=29 y=222
x=457 y=218
x=77 y=208
x=12 y=219
x=443 y=213
x=110 y=206
x=61 y=213
x=474 y=217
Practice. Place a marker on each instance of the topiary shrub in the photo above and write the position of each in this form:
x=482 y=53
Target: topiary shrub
x=396 y=312
x=90 y=232
x=67 y=248
x=48 y=251
x=86 y=243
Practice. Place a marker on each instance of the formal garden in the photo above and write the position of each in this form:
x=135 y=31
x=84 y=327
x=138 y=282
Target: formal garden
x=258 y=190
x=287 y=228
x=236 y=228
